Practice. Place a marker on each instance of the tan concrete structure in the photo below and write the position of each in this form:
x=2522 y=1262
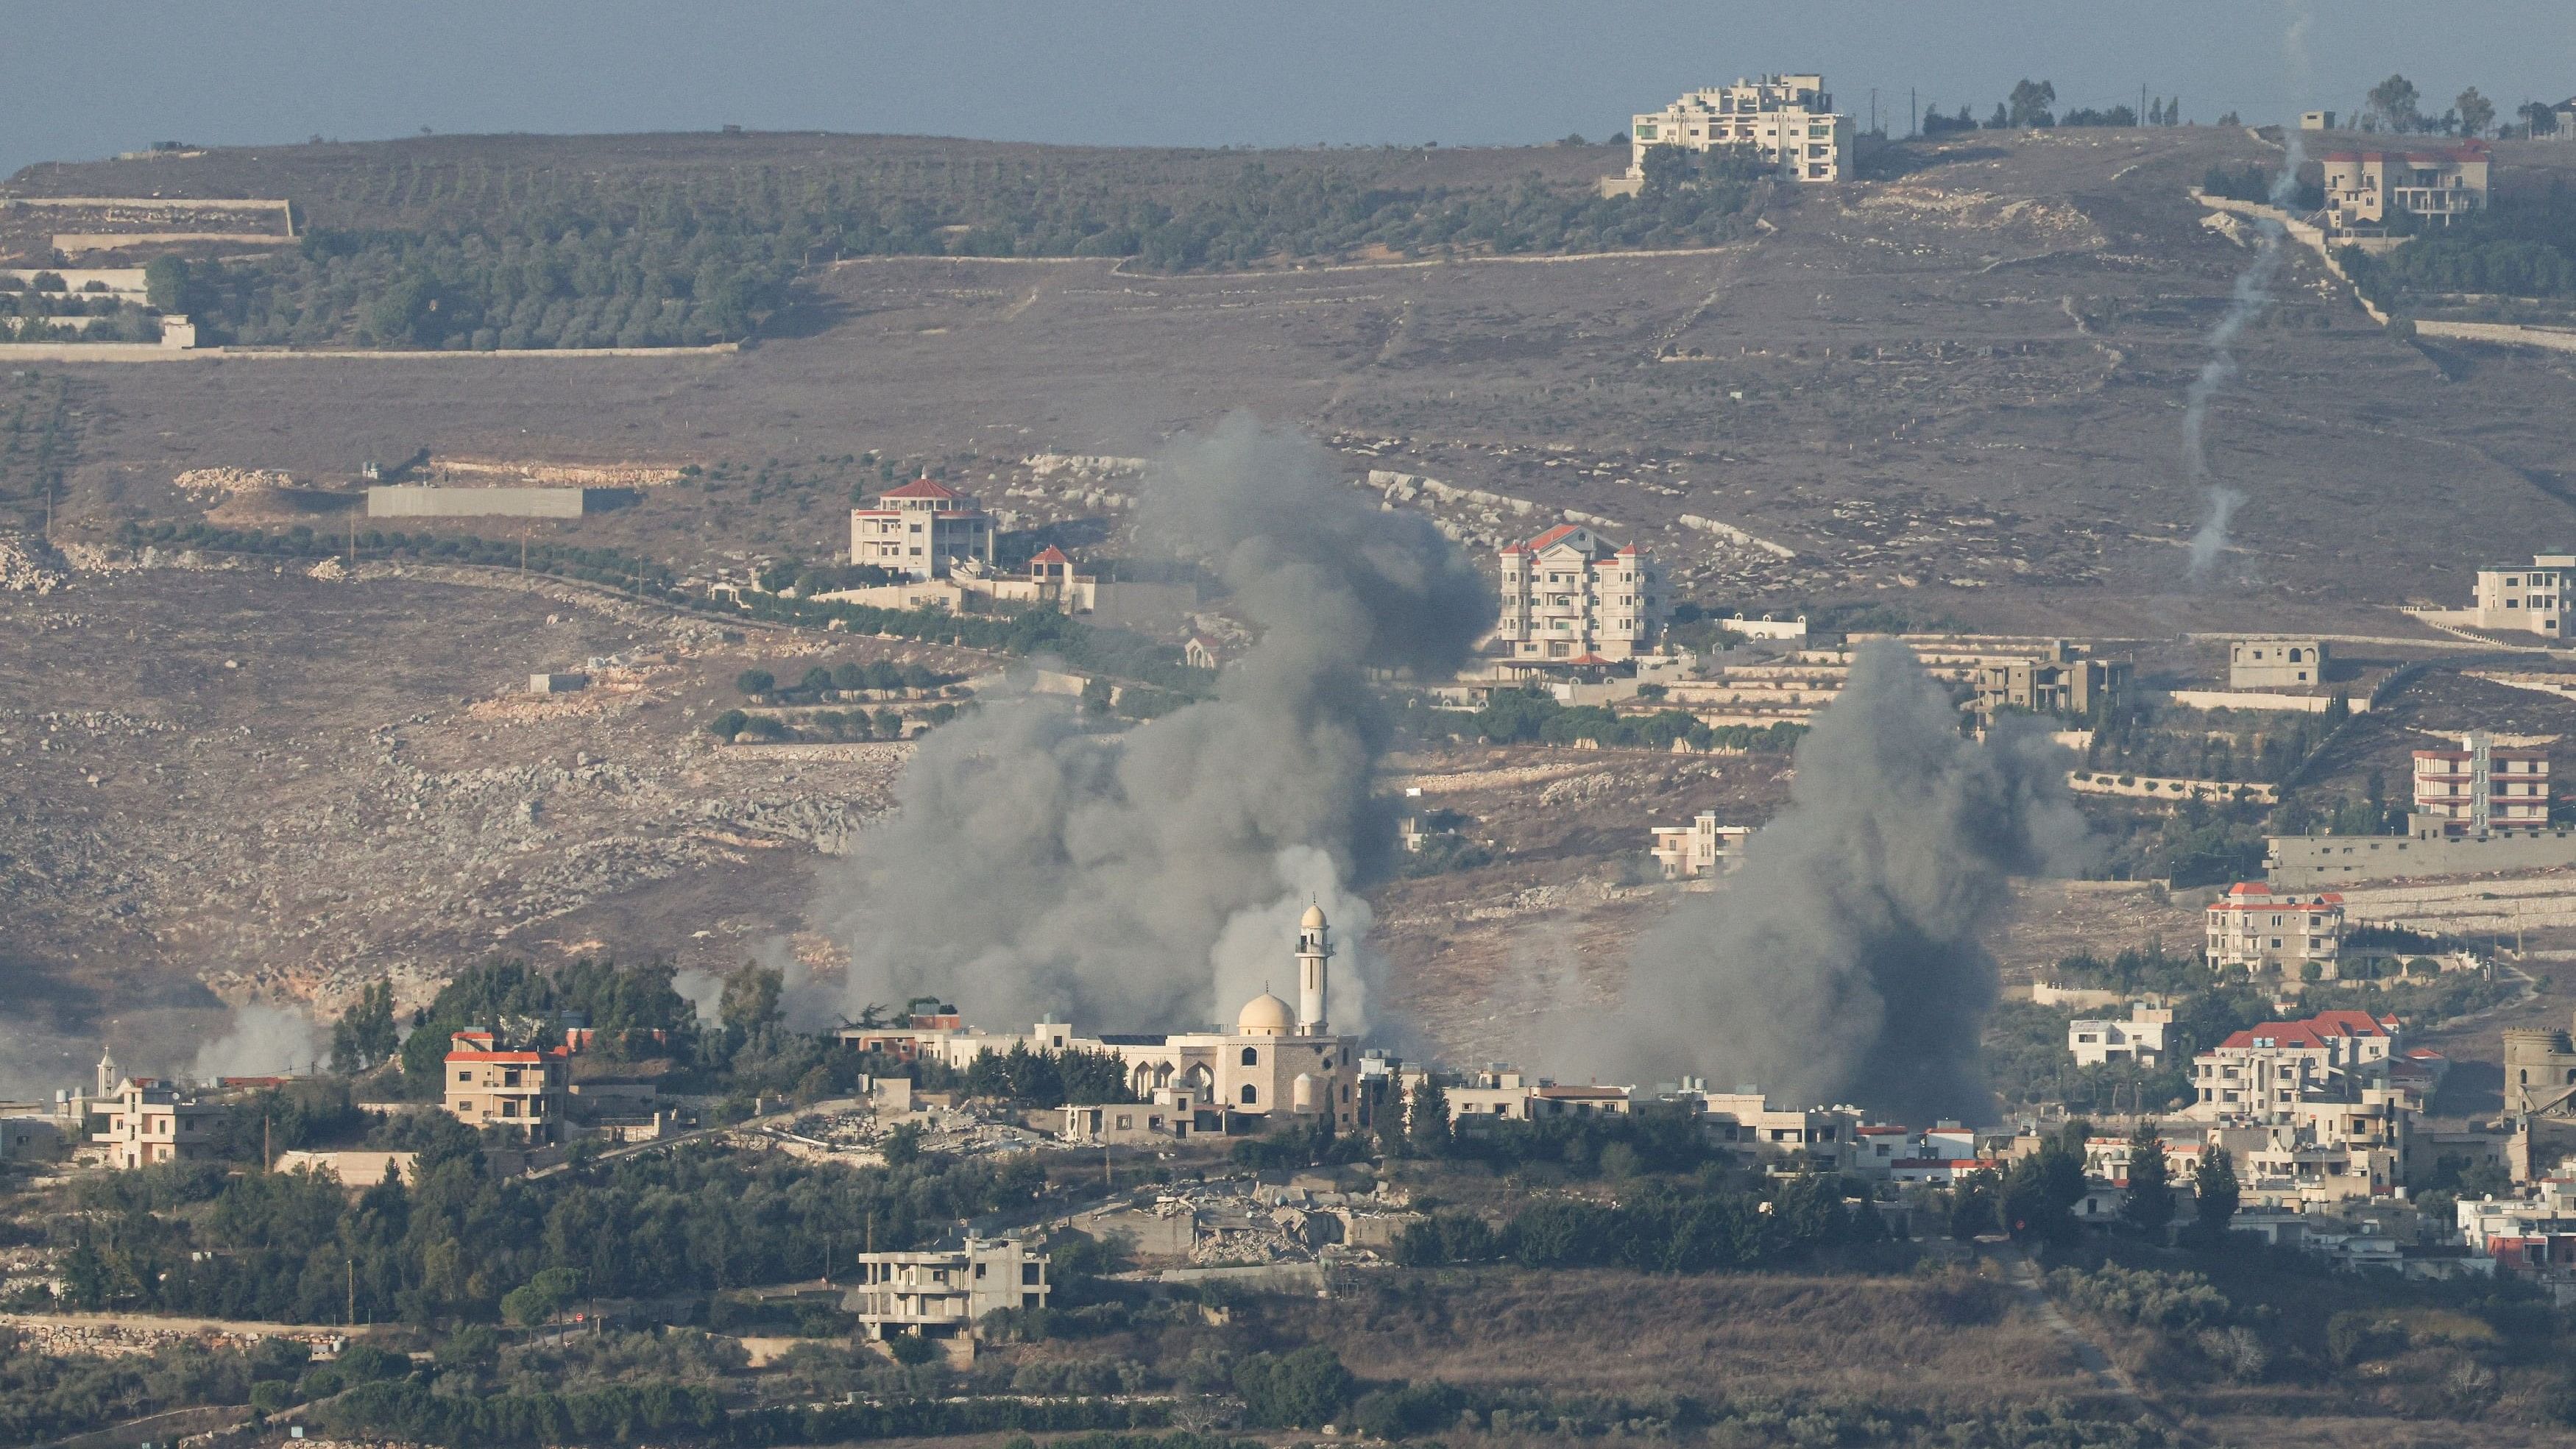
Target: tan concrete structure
x=1701 y=848
x=2539 y=1068
x=945 y=1292
x=146 y=1121
x=2436 y=186
x=2256 y=929
x=1788 y=121
x=2265 y=1073
x=1570 y=597
x=924 y=529
x=523 y=1091
x=2481 y=788
x=2276 y=663
x=2057 y=681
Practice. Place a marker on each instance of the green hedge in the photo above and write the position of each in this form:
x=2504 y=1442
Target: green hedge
x=620 y=1414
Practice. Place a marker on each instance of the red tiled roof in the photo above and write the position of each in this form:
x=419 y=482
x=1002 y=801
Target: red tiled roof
x=1051 y=554
x=1551 y=537
x=920 y=488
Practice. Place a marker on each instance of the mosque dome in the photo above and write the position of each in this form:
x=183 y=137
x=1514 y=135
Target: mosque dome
x=1314 y=917
x=1265 y=1015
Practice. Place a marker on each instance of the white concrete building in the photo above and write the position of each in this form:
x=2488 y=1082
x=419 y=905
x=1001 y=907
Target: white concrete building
x=2434 y=187
x=2481 y=788
x=923 y=529
x=147 y=1121
x=1701 y=848
x=2139 y=1040
x=1786 y=120
x=1570 y=597
x=1276 y=1062
x=2534 y=598
x=945 y=1292
x=2255 y=929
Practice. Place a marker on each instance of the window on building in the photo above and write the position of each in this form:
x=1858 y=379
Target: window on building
x=1250 y=1094
x=1252 y=1056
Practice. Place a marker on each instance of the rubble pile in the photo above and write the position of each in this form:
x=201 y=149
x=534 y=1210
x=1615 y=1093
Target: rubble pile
x=29 y=565
x=115 y=1338
x=205 y=483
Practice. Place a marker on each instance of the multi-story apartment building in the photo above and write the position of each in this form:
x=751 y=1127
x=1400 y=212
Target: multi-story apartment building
x=2481 y=788
x=146 y=1120
x=2366 y=190
x=524 y=1091
x=2537 y=598
x=945 y=1292
x=2264 y=1072
x=923 y=529
x=1569 y=596
x=2256 y=929
x=1787 y=120
x=2055 y=681
x=2276 y=663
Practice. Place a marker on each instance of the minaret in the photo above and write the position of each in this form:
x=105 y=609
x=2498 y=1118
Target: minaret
x=1314 y=948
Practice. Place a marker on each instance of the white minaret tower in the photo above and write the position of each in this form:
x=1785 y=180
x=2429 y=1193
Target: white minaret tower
x=108 y=1080
x=1314 y=948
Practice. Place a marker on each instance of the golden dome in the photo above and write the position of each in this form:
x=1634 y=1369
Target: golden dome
x=1265 y=1015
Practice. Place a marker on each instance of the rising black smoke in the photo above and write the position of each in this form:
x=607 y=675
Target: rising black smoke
x=1152 y=879
x=1843 y=962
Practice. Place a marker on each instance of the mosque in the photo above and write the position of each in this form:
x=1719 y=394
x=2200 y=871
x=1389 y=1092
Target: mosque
x=1274 y=1062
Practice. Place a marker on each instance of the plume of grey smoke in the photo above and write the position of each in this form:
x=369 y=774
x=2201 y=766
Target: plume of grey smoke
x=1843 y=961
x=702 y=989
x=262 y=1041
x=2246 y=300
x=1151 y=879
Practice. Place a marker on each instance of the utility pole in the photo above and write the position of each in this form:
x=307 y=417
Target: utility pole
x=1873 y=108
x=2142 y=103
x=1913 y=121
x=353 y=1292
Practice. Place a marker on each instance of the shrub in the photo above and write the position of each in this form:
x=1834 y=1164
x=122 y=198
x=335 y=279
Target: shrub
x=1301 y=1390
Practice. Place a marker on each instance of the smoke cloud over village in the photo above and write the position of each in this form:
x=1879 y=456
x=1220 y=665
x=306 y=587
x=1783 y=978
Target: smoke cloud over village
x=1843 y=962
x=1152 y=879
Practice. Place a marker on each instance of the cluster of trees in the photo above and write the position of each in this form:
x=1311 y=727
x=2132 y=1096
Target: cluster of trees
x=2219 y=746
x=820 y=682
x=2030 y=107
x=28 y=310
x=44 y=1397
x=632 y=1008
x=1047 y=1078
x=483 y=258
x=831 y=726
x=613 y=567
x=456 y=1244
x=2396 y=105
x=1532 y=715
x=622 y=1413
x=1661 y=1229
x=2517 y=248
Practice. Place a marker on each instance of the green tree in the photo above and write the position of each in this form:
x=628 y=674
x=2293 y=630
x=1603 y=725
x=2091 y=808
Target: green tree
x=1301 y=1390
x=1426 y=1120
x=2538 y=118
x=2214 y=1186
x=2040 y=1196
x=541 y=1297
x=1668 y=169
x=750 y=999
x=2477 y=113
x=755 y=682
x=728 y=724
x=365 y=1034
x=1973 y=1207
x=165 y=284
x=2029 y=104
x=2148 y=1205
x=2393 y=103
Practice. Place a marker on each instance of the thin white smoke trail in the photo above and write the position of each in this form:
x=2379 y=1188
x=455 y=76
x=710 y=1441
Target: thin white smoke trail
x=2251 y=294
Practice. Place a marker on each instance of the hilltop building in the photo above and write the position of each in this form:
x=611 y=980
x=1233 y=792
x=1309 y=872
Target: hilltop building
x=2539 y=1069
x=2058 y=680
x=2255 y=929
x=2276 y=663
x=1569 y=597
x=1788 y=121
x=923 y=529
x=2480 y=788
x=2531 y=598
x=2367 y=190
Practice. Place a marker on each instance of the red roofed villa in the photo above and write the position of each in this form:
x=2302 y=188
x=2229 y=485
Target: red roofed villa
x=1570 y=598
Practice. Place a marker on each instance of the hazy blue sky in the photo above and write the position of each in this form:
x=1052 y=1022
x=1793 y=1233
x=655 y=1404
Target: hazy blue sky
x=90 y=79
